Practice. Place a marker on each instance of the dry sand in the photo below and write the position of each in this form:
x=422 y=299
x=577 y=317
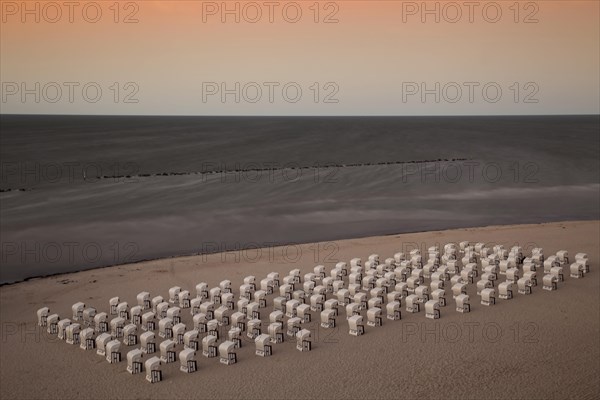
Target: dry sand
x=541 y=346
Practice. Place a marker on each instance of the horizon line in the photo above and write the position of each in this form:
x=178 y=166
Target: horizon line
x=302 y=115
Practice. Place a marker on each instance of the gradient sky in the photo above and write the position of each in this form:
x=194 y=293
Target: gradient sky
x=375 y=60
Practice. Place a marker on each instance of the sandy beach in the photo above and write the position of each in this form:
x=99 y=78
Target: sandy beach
x=542 y=346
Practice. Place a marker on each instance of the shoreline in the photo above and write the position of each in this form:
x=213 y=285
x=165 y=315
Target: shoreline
x=200 y=254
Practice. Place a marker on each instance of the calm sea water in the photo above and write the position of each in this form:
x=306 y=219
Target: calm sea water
x=82 y=192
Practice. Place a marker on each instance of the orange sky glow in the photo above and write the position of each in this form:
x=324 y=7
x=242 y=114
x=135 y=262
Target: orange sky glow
x=345 y=57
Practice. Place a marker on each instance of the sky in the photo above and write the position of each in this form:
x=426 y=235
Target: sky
x=300 y=58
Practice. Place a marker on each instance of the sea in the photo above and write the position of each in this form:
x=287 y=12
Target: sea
x=81 y=192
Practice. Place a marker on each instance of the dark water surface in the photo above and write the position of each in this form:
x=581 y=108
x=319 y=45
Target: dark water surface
x=85 y=191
